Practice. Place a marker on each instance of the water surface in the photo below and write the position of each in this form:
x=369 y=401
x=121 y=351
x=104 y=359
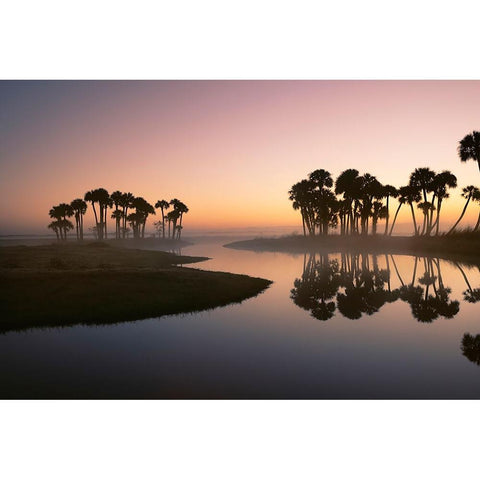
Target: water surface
x=329 y=327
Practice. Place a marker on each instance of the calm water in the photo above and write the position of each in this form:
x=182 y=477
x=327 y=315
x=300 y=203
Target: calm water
x=329 y=327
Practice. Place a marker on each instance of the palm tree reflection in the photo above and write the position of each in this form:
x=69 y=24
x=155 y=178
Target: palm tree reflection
x=471 y=347
x=357 y=286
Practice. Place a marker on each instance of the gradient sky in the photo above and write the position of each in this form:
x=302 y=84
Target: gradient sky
x=230 y=150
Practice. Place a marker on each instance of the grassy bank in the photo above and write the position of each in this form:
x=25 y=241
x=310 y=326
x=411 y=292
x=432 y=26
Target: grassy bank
x=461 y=246
x=96 y=283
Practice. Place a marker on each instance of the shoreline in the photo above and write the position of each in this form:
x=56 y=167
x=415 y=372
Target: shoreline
x=461 y=247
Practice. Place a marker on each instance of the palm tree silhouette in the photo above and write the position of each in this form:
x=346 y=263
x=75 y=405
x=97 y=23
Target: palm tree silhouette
x=126 y=202
x=441 y=182
x=476 y=198
x=55 y=226
x=468 y=193
x=79 y=208
x=347 y=184
x=163 y=205
x=412 y=195
x=469 y=148
x=117 y=215
x=423 y=180
x=60 y=213
x=142 y=210
x=471 y=347
x=116 y=198
x=389 y=191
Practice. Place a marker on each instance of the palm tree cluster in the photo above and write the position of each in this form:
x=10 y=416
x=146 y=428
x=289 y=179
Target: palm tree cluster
x=125 y=209
x=357 y=202
x=174 y=218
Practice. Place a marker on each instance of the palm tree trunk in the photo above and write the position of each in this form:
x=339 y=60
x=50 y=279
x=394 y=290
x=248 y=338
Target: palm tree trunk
x=396 y=270
x=437 y=220
x=477 y=224
x=413 y=216
x=388 y=217
x=461 y=216
x=163 y=224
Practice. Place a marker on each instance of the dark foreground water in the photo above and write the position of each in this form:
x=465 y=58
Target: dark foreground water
x=337 y=326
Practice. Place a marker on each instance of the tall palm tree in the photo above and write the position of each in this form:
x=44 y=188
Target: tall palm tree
x=423 y=179
x=117 y=215
x=181 y=208
x=92 y=197
x=56 y=213
x=413 y=195
x=402 y=200
x=163 y=205
x=476 y=198
x=389 y=191
x=55 y=226
x=60 y=213
x=79 y=208
x=299 y=195
x=126 y=202
x=116 y=198
x=468 y=193
x=469 y=148
x=143 y=209
x=347 y=184
x=441 y=182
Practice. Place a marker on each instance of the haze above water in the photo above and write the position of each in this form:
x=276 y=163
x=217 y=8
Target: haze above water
x=285 y=343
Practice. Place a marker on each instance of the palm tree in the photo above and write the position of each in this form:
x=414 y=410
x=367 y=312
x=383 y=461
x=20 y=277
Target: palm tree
x=117 y=198
x=476 y=198
x=126 y=202
x=441 y=182
x=469 y=148
x=172 y=218
x=347 y=184
x=389 y=191
x=143 y=209
x=79 y=208
x=181 y=208
x=468 y=193
x=60 y=213
x=117 y=215
x=379 y=210
x=402 y=200
x=163 y=205
x=56 y=213
x=412 y=195
x=299 y=194
x=426 y=208
x=91 y=196
x=423 y=180
x=55 y=226
x=176 y=204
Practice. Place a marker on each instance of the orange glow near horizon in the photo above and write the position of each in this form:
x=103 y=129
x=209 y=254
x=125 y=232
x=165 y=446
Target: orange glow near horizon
x=230 y=150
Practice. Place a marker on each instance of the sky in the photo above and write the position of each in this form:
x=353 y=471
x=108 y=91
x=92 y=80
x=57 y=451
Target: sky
x=230 y=150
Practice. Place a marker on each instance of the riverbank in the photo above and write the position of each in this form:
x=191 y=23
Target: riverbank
x=461 y=246
x=97 y=283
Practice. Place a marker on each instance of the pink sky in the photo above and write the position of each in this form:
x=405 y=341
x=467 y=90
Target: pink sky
x=230 y=150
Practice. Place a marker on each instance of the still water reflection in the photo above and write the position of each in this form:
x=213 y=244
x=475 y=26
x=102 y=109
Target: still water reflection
x=331 y=326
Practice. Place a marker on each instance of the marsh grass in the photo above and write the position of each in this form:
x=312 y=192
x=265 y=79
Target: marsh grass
x=59 y=285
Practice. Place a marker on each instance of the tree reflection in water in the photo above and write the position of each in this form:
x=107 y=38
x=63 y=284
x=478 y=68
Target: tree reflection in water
x=471 y=347
x=357 y=286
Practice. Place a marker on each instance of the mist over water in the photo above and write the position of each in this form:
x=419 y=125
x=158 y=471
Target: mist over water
x=330 y=326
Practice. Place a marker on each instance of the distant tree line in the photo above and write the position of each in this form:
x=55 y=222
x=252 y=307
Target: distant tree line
x=355 y=203
x=124 y=208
